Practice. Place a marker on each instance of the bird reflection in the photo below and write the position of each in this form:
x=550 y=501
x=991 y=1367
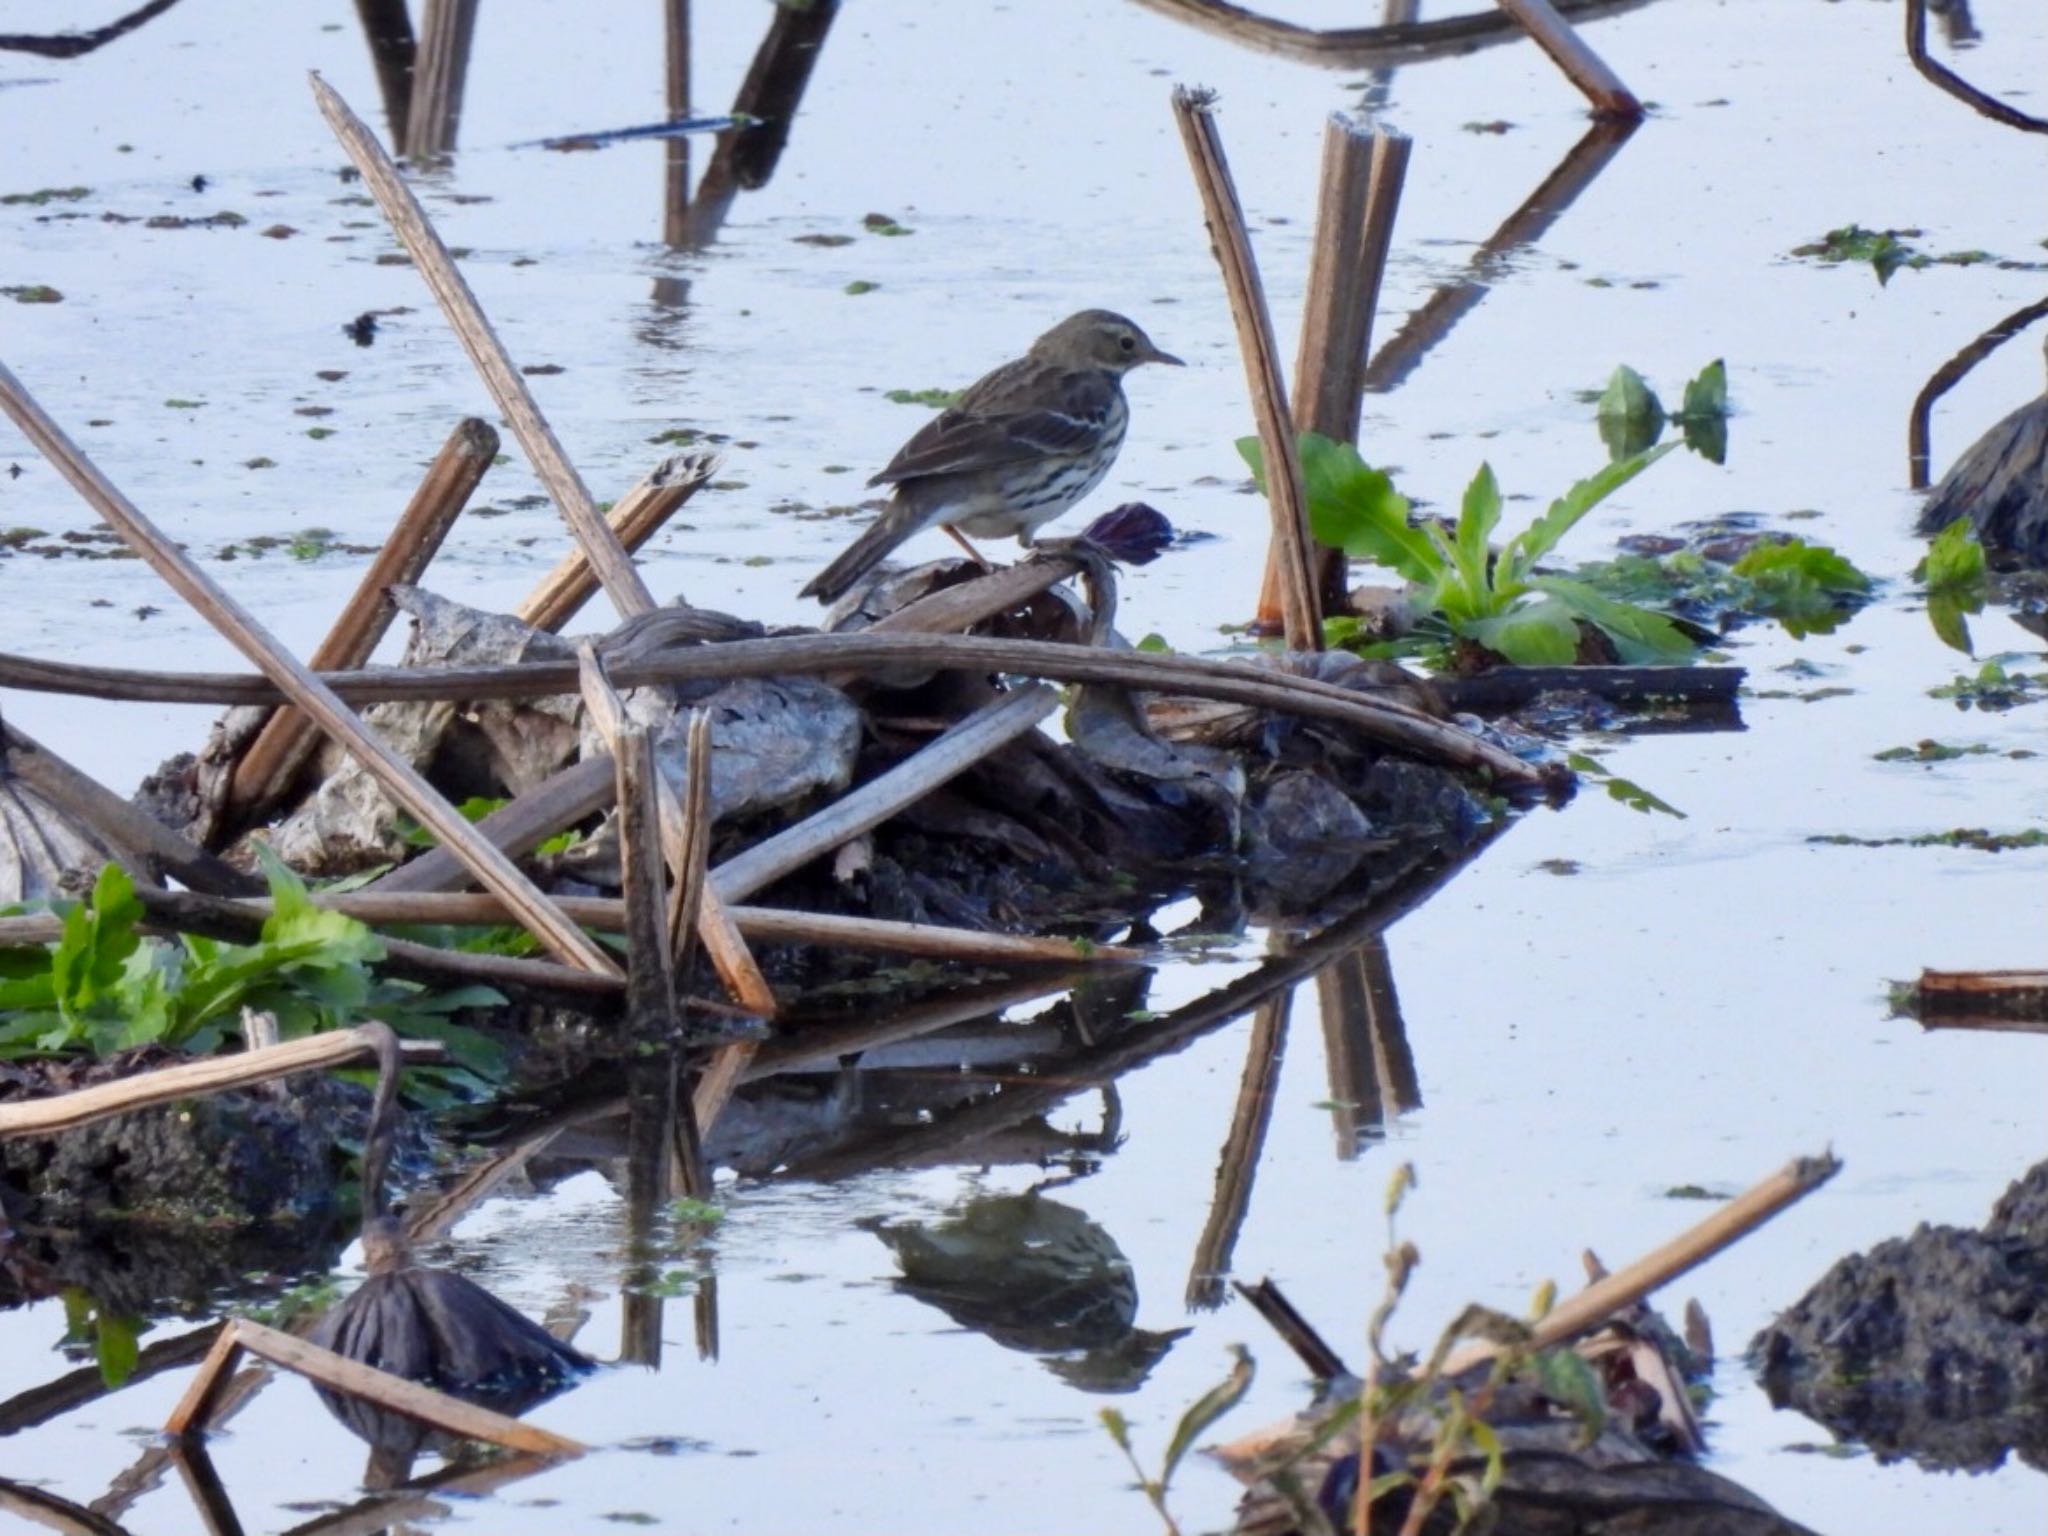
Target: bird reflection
x=1037 y=1276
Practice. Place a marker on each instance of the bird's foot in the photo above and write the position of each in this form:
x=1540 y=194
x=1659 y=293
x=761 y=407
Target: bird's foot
x=972 y=553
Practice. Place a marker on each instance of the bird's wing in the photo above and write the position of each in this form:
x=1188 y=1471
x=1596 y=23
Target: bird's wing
x=1006 y=425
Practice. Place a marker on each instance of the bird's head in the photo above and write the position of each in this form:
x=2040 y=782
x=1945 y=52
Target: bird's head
x=1097 y=338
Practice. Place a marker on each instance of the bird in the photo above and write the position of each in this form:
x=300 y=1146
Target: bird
x=1019 y=447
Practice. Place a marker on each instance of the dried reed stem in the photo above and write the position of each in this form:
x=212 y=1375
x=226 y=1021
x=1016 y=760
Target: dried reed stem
x=1382 y=720
x=1585 y=68
x=622 y=583
x=1300 y=611
x=722 y=941
x=358 y=1380
x=299 y=684
x=959 y=748
x=636 y=518
x=695 y=858
x=152 y=844
x=274 y=759
x=83 y=1106
x=1359 y=194
x=650 y=963
x=1588 y=1309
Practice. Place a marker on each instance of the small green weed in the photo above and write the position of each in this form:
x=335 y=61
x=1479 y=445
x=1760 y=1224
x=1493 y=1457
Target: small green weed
x=1631 y=417
x=1495 y=600
x=1994 y=688
x=103 y=987
x=937 y=399
x=1201 y=1414
x=1957 y=578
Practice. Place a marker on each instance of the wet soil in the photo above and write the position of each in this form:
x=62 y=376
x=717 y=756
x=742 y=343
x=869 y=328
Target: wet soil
x=1931 y=1347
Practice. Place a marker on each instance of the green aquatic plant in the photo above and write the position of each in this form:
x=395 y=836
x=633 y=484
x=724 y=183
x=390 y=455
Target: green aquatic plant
x=1447 y=1449
x=1627 y=791
x=111 y=1338
x=1958 y=579
x=1631 y=417
x=1995 y=687
x=1882 y=248
x=1194 y=1423
x=1888 y=250
x=1495 y=599
x=104 y=986
x=1808 y=588
x=936 y=399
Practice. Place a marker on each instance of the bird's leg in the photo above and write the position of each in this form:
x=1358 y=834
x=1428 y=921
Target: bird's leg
x=972 y=553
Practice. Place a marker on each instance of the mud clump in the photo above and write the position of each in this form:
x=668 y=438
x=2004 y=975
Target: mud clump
x=1933 y=1346
x=262 y=1154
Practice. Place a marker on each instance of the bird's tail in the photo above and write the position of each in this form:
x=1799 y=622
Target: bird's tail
x=858 y=558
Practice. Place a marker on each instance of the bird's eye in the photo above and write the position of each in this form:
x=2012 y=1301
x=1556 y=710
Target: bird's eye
x=1128 y=342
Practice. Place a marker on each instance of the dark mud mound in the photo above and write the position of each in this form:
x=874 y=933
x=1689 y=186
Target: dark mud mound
x=272 y=1152
x=1934 y=1346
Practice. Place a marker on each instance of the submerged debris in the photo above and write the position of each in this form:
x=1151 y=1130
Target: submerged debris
x=428 y=1325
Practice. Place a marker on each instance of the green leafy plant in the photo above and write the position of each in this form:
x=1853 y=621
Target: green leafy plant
x=1957 y=579
x=1194 y=1423
x=104 y=987
x=1994 y=687
x=1627 y=791
x=110 y=1337
x=1631 y=417
x=1497 y=600
x=1801 y=585
x=1809 y=588
x=1887 y=250
x=695 y=1213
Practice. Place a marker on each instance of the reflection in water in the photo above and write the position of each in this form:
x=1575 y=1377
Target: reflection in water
x=1402 y=41
x=1038 y=1276
x=951 y=1079
x=1264 y=1048
x=745 y=158
x=1528 y=224
x=1379 y=82
x=440 y=70
x=1372 y=1072
x=2000 y=483
x=390 y=1509
x=742 y=159
x=75 y=45
x=394 y=51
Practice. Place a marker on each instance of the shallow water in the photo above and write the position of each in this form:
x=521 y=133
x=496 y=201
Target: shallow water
x=1700 y=1001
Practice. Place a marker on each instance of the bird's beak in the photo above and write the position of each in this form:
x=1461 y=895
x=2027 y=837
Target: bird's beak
x=1154 y=355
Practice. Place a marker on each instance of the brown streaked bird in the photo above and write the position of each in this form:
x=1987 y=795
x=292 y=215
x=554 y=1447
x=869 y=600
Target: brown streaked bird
x=1020 y=447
